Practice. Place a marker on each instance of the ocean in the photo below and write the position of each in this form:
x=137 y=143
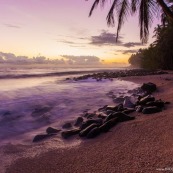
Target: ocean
x=32 y=99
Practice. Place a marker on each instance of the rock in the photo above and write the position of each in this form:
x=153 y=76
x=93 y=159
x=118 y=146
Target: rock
x=167 y=103
x=120 y=108
x=85 y=131
x=158 y=103
x=103 y=108
x=114 y=115
x=139 y=108
x=51 y=130
x=102 y=115
x=151 y=110
x=89 y=115
x=93 y=133
x=41 y=137
x=87 y=123
x=79 y=121
x=123 y=117
x=118 y=100
x=67 y=125
x=108 y=125
x=68 y=133
x=128 y=111
x=149 y=87
x=128 y=103
x=144 y=100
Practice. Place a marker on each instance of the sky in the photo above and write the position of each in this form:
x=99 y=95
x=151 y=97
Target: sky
x=62 y=29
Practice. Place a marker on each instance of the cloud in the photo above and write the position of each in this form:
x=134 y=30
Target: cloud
x=12 y=26
x=109 y=39
x=82 y=60
x=127 y=51
x=133 y=44
x=105 y=38
x=10 y=58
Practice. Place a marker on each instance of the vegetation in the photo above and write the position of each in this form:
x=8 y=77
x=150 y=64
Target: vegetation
x=160 y=53
x=146 y=9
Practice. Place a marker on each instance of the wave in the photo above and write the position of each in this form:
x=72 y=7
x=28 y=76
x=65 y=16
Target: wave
x=51 y=74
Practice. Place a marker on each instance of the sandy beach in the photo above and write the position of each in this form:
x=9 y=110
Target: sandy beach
x=142 y=145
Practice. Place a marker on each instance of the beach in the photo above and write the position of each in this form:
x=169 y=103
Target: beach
x=142 y=145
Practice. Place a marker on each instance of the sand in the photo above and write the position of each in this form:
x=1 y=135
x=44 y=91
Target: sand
x=142 y=145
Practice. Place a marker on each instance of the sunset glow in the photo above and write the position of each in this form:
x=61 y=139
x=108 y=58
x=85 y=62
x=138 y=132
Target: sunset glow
x=54 y=28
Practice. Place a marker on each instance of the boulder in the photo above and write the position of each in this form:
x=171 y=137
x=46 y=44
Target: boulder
x=51 y=130
x=85 y=131
x=151 y=110
x=114 y=115
x=149 y=87
x=128 y=111
x=69 y=133
x=93 y=133
x=139 y=108
x=67 y=126
x=79 y=121
x=123 y=117
x=128 y=103
x=144 y=100
x=41 y=137
x=158 y=103
x=105 y=127
x=87 y=123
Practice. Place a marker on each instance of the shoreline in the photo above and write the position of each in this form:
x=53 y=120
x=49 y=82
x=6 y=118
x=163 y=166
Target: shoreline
x=148 y=146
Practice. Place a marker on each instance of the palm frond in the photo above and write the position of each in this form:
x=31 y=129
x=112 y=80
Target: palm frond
x=94 y=6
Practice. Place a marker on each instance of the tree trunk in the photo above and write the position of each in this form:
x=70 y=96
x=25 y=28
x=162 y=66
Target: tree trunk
x=166 y=9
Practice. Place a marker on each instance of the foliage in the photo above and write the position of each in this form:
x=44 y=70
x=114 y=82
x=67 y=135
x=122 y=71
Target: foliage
x=160 y=53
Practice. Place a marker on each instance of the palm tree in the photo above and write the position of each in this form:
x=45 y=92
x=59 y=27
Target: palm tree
x=147 y=9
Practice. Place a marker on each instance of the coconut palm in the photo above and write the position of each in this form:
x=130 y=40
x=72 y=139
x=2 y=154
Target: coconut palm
x=147 y=10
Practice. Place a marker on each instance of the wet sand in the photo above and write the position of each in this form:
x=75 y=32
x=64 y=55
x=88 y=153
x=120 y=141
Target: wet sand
x=142 y=145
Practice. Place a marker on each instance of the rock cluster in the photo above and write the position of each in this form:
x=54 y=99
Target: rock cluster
x=115 y=74
x=101 y=121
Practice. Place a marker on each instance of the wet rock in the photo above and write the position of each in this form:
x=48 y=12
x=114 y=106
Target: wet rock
x=111 y=108
x=128 y=111
x=69 y=133
x=102 y=115
x=149 y=87
x=128 y=103
x=79 y=121
x=123 y=117
x=157 y=103
x=41 y=137
x=151 y=110
x=120 y=108
x=51 y=130
x=114 y=115
x=118 y=100
x=144 y=100
x=87 y=123
x=105 y=127
x=93 y=133
x=103 y=108
x=67 y=126
x=85 y=131
x=89 y=115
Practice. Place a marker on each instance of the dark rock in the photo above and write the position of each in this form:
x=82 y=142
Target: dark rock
x=102 y=115
x=39 y=138
x=120 y=108
x=79 y=121
x=150 y=87
x=128 y=111
x=85 y=131
x=93 y=133
x=124 y=117
x=144 y=100
x=103 y=108
x=167 y=103
x=108 y=125
x=158 y=103
x=114 y=115
x=111 y=108
x=128 y=103
x=118 y=100
x=51 y=130
x=151 y=110
x=69 y=133
x=67 y=125
x=89 y=115
x=87 y=123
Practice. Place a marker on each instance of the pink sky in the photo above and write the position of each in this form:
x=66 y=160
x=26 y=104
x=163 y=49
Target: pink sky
x=61 y=27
